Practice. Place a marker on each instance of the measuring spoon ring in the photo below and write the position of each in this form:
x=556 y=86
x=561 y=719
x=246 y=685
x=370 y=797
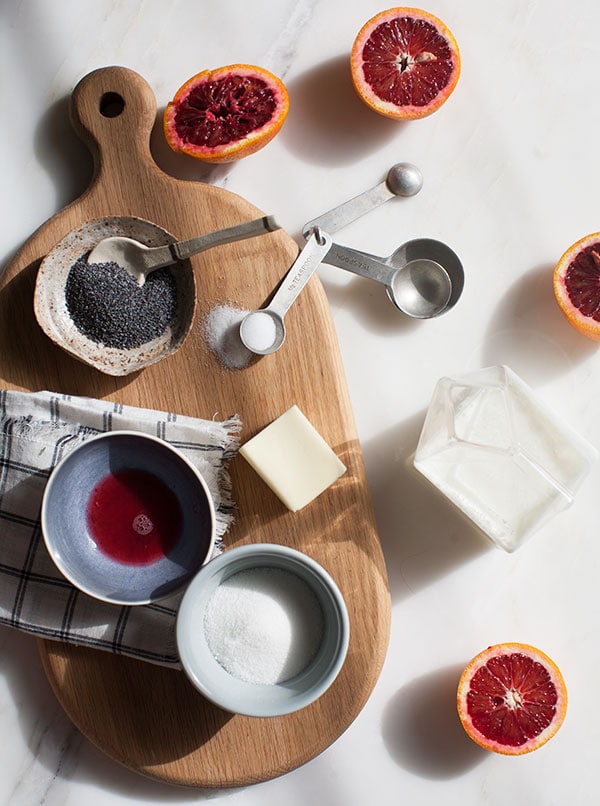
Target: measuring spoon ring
x=263 y=331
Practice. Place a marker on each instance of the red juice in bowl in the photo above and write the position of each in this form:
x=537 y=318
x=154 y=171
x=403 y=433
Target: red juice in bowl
x=133 y=517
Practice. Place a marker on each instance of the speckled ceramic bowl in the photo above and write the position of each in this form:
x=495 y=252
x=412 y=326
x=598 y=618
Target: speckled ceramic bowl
x=69 y=536
x=246 y=696
x=53 y=314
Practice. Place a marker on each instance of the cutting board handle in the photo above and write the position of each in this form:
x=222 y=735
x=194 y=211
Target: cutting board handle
x=113 y=110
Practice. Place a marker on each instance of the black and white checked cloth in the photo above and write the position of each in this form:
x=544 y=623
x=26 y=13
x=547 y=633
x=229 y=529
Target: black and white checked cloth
x=36 y=431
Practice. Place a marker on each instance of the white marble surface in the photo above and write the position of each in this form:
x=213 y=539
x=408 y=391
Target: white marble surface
x=510 y=167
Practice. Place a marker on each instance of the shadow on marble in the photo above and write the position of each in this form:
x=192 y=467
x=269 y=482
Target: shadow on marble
x=528 y=332
x=424 y=537
x=46 y=730
x=371 y=306
x=97 y=770
x=422 y=732
x=327 y=123
x=65 y=157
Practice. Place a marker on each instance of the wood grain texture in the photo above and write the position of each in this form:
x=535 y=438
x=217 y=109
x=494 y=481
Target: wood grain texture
x=143 y=716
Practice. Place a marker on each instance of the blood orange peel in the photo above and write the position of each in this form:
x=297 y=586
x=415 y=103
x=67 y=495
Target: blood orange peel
x=225 y=114
x=511 y=698
x=405 y=63
x=577 y=285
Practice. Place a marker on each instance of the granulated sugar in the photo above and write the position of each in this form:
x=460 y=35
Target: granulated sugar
x=263 y=625
x=222 y=330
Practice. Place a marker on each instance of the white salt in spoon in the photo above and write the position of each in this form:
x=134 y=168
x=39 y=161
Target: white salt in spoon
x=263 y=331
x=139 y=260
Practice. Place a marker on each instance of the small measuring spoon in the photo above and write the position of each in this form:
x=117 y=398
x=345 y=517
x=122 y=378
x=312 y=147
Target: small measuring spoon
x=139 y=260
x=263 y=331
x=403 y=179
x=423 y=278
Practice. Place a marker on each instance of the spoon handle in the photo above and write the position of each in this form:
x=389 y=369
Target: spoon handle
x=403 y=179
x=349 y=211
x=370 y=266
x=159 y=256
x=185 y=249
x=305 y=265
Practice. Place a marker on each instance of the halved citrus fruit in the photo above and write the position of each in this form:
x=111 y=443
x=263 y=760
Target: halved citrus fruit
x=225 y=114
x=511 y=698
x=405 y=63
x=577 y=285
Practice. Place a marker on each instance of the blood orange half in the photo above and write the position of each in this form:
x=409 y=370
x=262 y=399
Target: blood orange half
x=511 y=698
x=225 y=114
x=577 y=285
x=405 y=63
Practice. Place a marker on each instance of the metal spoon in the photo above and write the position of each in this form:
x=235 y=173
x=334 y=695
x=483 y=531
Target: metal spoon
x=403 y=179
x=139 y=260
x=263 y=331
x=423 y=277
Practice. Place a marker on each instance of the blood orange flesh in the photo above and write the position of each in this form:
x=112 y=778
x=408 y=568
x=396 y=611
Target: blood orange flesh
x=225 y=114
x=511 y=698
x=577 y=285
x=405 y=63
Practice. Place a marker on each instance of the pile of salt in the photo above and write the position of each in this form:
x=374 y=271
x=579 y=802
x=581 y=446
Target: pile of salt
x=222 y=330
x=263 y=625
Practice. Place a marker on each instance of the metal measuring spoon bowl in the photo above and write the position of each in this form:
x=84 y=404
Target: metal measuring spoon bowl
x=439 y=252
x=263 y=331
x=420 y=289
x=423 y=277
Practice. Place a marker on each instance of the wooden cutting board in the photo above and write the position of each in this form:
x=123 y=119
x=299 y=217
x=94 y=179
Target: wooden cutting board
x=144 y=716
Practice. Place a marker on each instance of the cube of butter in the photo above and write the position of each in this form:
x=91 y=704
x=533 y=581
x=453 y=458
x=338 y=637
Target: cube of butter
x=293 y=459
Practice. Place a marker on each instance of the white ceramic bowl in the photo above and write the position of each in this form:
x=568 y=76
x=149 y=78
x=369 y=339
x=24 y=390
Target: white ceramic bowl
x=244 y=696
x=68 y=535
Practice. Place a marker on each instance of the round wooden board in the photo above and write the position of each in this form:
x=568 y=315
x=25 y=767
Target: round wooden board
x=147 y=717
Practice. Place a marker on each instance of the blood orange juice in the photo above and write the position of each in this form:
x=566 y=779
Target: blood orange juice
x=133 y=517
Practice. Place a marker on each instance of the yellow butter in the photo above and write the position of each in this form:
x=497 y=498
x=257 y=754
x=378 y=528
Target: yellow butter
x=293 y=459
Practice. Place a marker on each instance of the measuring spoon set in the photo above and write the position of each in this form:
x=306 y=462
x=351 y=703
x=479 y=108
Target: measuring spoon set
x=423 y=277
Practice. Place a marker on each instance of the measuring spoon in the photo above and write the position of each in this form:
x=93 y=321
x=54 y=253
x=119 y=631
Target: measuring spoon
x=139 y=260
x=263 y=331
x=403 y=179
x=423 y=278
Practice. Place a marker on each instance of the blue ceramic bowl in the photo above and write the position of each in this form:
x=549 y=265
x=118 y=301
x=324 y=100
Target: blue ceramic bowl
x=122 y=573
x=248 y=697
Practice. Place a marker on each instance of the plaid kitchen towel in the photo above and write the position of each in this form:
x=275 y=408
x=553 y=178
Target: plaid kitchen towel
x=36 y=431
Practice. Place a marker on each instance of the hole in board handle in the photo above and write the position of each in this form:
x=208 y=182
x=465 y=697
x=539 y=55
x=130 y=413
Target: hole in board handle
x=111 y=105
